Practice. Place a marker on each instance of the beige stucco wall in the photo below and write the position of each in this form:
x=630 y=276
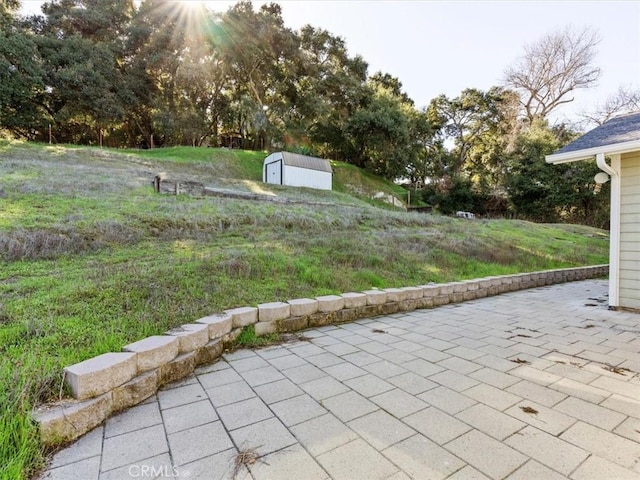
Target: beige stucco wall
x=629 y=277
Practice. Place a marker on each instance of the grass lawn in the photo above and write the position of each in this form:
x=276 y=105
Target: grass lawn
x=92 y=259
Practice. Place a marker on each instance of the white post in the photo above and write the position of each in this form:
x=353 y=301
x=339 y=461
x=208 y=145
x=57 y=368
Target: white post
x=614 y=226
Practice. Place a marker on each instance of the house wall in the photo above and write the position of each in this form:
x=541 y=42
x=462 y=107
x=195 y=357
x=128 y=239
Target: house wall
x=629 y=273
x=304 y=177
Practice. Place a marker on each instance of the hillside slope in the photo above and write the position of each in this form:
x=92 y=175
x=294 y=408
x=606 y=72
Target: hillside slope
x=241 y=170
x=93 y=259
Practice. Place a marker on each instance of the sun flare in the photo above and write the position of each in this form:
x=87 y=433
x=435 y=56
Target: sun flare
x=189 y=15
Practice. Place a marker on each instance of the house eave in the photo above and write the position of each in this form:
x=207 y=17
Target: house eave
x=589 y=153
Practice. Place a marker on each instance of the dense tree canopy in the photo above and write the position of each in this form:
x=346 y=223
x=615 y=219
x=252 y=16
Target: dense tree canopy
x=158 y=73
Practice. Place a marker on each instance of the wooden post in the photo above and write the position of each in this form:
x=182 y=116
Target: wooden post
x=50 y=134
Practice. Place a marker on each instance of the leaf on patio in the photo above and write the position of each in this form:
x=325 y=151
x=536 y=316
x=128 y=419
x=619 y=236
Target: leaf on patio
x=614 y=369
x=529 y=410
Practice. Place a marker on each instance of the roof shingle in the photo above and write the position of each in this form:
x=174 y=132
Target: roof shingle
x=625 y=128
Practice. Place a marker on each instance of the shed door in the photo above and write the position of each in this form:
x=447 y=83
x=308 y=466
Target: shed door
x=274 y=172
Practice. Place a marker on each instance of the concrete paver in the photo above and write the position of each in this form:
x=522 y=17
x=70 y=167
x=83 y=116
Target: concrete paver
x=215 y=379
x=454 y=380
x=195 y=443
x=447 y=400
x=384 y=369
x=278 y=391
x=140 y=416
x=324 y=359
x=261 y=376
x=87 y=469
x=322 y=434
x=492 y=396
x=494 y=377
x=174 y=397
x=91 y=446
x=491 y=457
x=625 y=405
x=243 y=413
x=356 y=459
x=349 y=405
x=577 y=389
x=536 y=393
x=534 y=470
x=344 y=371
x=547 y=449
x=490 y=421
x=596 y=468
x=630 y=429
x=544 y=418
x=219 y=465
x=468 y=473
x=421 y=458
x=412 y=383
x=297 y=410
x=324 y=387
x=381 y=429
x=604 y=444
x=368 y=385
x=293 y=462
x=266 y=437
x=439 y=395
x=287 y=361
x=187 y=416
x=436 y=425
x=229 y=393
x=159 y=465
x=303 y=373
x=399 y=403
x=134 y=446
x=590 y=413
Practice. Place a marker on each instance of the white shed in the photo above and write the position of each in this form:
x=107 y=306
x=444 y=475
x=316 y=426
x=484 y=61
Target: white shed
x=295 y=170
x=618 y=139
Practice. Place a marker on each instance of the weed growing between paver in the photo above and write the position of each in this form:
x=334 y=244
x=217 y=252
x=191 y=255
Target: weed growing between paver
x=249 y=339
x=94 y=260
x=243 y=460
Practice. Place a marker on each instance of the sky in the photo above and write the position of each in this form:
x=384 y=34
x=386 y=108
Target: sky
x=443 y=47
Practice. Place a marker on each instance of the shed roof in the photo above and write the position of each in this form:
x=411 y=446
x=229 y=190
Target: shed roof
x=303 y=161
x=617 y=135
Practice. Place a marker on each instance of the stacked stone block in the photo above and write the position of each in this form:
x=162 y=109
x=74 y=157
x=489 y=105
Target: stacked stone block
x=113 y=381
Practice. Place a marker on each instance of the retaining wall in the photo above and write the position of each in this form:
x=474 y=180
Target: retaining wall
x=114 y=381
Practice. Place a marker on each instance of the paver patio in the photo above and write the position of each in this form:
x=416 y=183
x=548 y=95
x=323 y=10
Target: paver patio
x=536 y=384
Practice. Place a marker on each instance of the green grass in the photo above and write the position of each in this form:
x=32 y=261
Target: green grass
x=249 y=339
x=354 y=181
x=93 y=260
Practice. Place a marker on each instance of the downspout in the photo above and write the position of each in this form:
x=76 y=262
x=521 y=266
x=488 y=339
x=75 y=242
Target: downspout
x=614 y=227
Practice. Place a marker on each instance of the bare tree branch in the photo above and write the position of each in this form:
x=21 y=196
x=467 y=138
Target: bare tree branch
x=552 y=68
x=625 y=100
